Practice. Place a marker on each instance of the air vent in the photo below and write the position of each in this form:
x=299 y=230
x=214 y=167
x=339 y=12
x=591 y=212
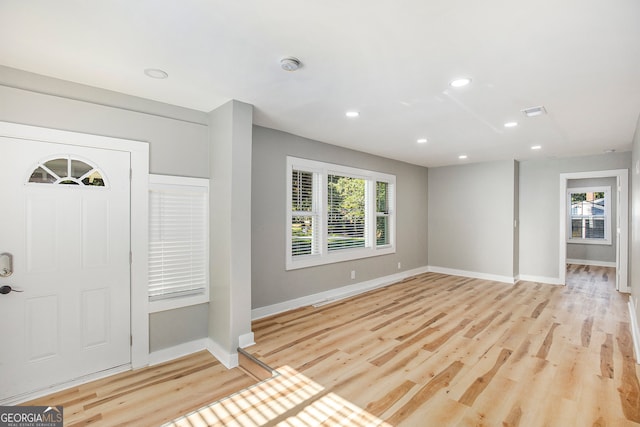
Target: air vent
x=534 y=111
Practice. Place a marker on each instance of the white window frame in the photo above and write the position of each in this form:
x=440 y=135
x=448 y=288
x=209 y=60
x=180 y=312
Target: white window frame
x=183 y=184
x=607 y=216
x=321 y=170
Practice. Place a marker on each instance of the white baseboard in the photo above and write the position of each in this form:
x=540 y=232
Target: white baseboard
x=334 y=294
x=326 y=297
x=471 y=274
x=246 y=340
x=635 y=333
x=170 y=353
x=539 y=279
x=229 y=360
x=590 y=262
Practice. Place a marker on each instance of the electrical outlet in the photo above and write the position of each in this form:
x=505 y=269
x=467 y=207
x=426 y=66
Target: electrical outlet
x=399 y=265
x=353 y=274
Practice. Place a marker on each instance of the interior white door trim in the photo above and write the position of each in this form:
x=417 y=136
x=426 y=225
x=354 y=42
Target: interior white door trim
x=139 y=152
x=621 y=224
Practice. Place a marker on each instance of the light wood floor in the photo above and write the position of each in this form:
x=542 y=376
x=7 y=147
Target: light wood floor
x=434 y=350
x=149 y=396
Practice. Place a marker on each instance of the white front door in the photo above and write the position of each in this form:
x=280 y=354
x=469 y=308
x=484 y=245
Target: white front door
x=64 y=244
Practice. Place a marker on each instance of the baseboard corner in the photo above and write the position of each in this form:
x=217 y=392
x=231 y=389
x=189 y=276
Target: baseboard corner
x=180 y=350
x=229 y=360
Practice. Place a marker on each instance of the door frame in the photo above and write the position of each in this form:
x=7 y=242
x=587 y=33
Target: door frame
x=139 y=214
x=621 y=222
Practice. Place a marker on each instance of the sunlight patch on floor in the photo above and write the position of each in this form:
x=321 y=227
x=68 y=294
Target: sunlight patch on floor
x=288 y=399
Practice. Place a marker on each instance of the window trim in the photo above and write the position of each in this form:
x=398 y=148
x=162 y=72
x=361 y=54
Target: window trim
x=607 y=216
x=321 y=170
x=177 y=182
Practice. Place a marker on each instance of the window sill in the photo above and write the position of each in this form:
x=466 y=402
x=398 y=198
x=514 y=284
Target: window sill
x=334 y=257
x=178 y=302
x=589 y=242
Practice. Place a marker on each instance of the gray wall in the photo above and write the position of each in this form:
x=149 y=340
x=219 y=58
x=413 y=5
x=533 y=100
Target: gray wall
x=177 y=137
x=634 y=261
x=171 y=327
x=271 y=282
x=594 y=252
x=540 y=207
x=471 y=217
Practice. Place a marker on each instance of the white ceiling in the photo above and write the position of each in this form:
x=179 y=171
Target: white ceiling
x=390 y=60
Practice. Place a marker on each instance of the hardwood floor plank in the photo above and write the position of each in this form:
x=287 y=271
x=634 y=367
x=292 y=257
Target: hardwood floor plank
x=513 y=419
x=439 y=382
x=546 y=344
x=482 y=382
x=606 y=357
x=585 y=334
x=630 y=387
x=437 y=342
x=379 y=406
x=481 y=325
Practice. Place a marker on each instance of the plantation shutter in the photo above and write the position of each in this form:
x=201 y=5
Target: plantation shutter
x=304 y=214
x=178 y=240
x=382 y=213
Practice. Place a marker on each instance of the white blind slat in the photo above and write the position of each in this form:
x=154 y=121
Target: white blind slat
x=178 y=241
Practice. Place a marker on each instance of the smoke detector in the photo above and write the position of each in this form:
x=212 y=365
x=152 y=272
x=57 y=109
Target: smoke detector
x=290 y=63
x=534 y=111
x=156 y=73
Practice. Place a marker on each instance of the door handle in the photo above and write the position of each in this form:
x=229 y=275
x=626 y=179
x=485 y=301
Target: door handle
x=6 y=264
x=7 y=289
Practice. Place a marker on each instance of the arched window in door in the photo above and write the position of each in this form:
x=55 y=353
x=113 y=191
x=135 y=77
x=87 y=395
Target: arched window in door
x=67 y=171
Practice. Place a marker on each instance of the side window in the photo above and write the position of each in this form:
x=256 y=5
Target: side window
x=383 y=213
x=178 y=242
x=304 y=213
x=589 y=214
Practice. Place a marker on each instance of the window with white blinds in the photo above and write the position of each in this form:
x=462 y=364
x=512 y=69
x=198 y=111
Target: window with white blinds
x=178 y=241
x=346 y=225
x=383 y=195
x=304 y=213
x=589 y=215
x=337 y=213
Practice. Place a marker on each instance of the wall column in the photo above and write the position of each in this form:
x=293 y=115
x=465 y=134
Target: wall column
x=230 y=230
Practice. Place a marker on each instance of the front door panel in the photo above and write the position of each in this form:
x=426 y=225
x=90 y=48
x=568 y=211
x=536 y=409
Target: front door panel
x=69 y=242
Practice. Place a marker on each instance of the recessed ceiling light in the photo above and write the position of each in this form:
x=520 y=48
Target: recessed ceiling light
x=155 y=73
x=352 y=114
x=610 y=150
x=536 y=147
x=422 y=141
x=462 y=156
x=460 y=82
x=511 y=124
x=290 y=63
x=534 y=111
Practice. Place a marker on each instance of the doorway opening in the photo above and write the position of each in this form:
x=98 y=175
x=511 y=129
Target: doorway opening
x=619 y=222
